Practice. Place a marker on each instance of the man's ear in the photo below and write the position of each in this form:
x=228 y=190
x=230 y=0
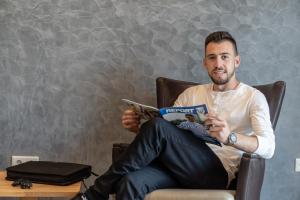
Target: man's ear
x=237 y=61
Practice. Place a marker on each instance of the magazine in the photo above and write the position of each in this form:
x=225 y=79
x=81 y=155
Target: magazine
x=189 y=118
x=144 y=111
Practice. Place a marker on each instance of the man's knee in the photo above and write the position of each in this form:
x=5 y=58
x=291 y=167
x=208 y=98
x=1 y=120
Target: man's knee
x=130 y=187
x=156 y=121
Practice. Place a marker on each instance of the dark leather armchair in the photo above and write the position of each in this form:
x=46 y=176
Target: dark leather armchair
x=247 y=185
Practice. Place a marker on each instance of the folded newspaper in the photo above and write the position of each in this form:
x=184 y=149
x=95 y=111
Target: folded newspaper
x=189 y=118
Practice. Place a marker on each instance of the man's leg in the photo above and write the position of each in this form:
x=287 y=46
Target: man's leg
x=135 y=185
x=188 y=158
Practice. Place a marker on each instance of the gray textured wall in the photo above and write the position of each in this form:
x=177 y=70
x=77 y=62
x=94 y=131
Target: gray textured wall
x=65 y=65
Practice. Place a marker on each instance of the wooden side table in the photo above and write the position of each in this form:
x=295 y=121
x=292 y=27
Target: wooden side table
x=37 y=190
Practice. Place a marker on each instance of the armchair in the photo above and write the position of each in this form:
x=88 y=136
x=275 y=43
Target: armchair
x=247 y=185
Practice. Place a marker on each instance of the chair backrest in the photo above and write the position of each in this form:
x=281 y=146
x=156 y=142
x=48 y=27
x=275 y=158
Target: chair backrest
x=274 y=93
x=169 y=89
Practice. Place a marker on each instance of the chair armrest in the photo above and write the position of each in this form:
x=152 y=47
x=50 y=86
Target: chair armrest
x=118 y=149
x=250 y=177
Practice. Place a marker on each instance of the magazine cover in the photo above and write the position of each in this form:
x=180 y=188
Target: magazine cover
x=190 y=118
x=144 y=111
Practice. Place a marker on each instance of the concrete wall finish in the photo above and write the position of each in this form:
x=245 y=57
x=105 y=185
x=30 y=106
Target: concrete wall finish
x=65 y=65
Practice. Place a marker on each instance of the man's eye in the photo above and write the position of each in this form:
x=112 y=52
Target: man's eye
x=211 y=57
x=224 y=57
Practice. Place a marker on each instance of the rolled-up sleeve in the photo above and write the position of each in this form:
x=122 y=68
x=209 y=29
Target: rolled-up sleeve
x=261 y=126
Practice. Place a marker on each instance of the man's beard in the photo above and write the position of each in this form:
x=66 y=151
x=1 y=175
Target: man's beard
x=222 y=81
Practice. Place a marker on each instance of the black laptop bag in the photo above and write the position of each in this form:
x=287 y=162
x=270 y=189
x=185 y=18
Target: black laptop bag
x=48 y=172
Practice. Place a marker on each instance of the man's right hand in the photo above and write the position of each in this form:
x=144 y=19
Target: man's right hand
x=131 y=121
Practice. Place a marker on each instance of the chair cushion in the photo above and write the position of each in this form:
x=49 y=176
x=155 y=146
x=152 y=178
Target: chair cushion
x=190 y=194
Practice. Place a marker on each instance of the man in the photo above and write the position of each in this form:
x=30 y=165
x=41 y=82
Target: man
x=190 y=117
x=164 y=156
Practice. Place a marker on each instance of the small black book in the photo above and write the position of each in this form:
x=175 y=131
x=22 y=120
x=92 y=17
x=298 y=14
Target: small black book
x=48 y=172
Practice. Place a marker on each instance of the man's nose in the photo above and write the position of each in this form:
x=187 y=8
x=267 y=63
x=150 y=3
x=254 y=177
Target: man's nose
x=219 y=62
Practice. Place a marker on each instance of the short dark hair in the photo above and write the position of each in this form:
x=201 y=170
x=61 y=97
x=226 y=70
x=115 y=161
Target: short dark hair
x=220 y=36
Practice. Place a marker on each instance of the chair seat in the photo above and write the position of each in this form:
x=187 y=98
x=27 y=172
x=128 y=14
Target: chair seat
x=190 y=194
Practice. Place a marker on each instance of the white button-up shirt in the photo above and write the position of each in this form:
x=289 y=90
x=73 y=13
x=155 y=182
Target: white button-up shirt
x=246 y=111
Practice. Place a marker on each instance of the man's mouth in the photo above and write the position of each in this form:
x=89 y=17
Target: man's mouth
x=218 y=72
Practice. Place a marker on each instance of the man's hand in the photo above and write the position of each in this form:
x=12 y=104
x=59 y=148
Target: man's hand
x=220 y=130
x=131 y=121
x=218 y=127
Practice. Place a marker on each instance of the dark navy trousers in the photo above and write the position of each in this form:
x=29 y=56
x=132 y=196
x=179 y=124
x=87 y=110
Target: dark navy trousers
x=161 y=156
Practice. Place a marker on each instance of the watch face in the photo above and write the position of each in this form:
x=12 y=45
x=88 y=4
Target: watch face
x=232 y=138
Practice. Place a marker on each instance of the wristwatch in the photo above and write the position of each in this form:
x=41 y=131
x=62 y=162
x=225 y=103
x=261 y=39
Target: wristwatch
x=232 y=138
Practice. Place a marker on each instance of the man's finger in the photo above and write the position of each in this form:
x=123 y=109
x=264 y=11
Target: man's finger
x=215 y=129
x=214 y=116
x=211 y=114
x=214 y=122
x=130 y=117
x=130 y=121
x=129 y=112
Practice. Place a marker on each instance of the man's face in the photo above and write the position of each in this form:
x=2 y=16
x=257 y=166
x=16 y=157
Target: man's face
x=190 y=118
x=221 y=61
